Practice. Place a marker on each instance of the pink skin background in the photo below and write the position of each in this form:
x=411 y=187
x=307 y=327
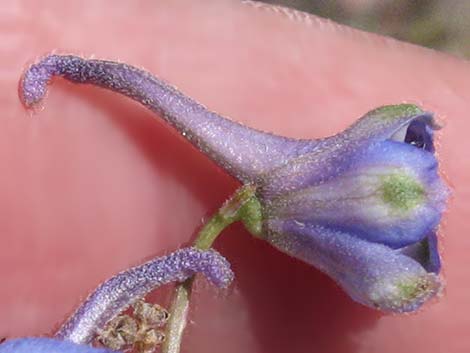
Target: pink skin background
x=92 y=183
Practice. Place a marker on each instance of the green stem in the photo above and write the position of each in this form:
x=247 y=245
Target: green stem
x=242 y=206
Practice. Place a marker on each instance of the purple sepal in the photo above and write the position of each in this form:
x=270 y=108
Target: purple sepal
x=372 y=274
x=353 y=200
x=364 y=208
x=332 y=156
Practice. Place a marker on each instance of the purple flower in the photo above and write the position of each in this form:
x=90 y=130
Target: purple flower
x=362 y=206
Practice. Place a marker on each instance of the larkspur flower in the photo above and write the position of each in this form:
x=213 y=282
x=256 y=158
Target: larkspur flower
x=362 y=206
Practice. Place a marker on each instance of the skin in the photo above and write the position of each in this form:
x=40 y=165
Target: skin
x=92 y=184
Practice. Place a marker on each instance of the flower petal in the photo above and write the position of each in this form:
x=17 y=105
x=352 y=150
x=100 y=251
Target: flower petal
x=47 y=345
x=390 y=193
x=331 y=156
x=419 y=133
x=372 y=274
x=381 y=123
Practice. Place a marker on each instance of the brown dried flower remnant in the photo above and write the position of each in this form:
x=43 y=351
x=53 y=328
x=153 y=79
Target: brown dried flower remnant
x=140 y=332
x=151 y=314
x=120 y=333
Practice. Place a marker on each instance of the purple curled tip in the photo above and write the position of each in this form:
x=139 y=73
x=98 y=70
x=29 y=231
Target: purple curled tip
x=33 y=85
x=120 y=291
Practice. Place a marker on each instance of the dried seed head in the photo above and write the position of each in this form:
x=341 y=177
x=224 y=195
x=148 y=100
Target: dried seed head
x=149 y=340
x=152 y=315
x=120 y=333
x=139 y=332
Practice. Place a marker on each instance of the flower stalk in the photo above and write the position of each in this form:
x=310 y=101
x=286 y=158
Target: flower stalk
x=242 y=206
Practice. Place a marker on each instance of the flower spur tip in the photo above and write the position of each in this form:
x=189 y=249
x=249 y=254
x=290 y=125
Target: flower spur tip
x=34 y=81
x=216 y=268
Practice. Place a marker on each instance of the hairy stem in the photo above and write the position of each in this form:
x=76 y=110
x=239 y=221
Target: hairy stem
x=242 y=206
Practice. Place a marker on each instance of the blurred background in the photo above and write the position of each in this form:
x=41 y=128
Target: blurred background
x=440 y=24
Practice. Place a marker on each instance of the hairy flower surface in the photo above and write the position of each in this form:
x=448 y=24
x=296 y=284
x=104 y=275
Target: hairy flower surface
x=120 y=291
x=362 y=206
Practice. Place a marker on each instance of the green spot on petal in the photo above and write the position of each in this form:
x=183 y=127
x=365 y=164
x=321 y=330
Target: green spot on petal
x=405 y=294
x=402 y=192
x=412 y=289
x=409 y=290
